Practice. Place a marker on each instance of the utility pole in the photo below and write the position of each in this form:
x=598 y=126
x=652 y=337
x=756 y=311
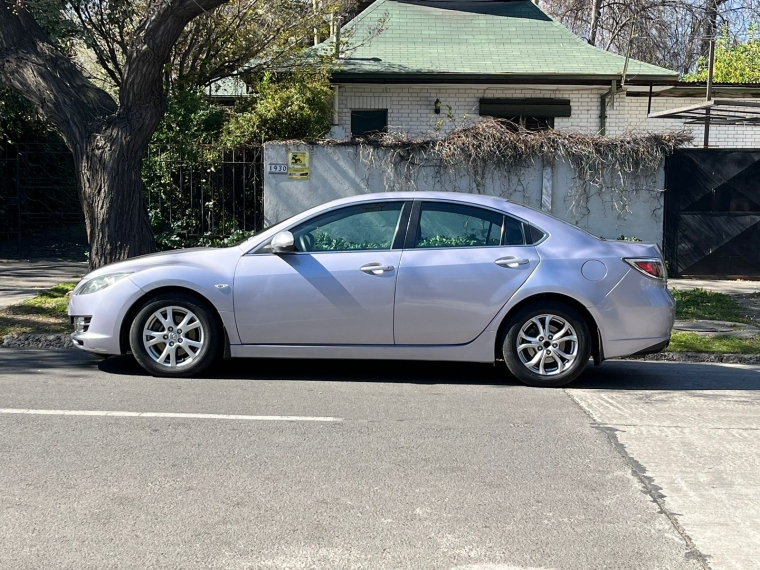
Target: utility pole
x=708 y=94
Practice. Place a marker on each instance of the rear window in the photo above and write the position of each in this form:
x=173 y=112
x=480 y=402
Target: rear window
x=533 y=235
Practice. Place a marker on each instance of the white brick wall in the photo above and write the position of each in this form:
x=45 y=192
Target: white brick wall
x=738 y=136
x=410 y=109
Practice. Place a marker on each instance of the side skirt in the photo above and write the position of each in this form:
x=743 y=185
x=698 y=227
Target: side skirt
x=480 y=350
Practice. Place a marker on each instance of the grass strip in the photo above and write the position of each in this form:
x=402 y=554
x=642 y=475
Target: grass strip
x=692 y=342
x=44 y=314
x=699 y=304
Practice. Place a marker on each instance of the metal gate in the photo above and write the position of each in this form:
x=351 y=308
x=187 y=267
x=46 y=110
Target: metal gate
x=40 y=215
x=712 y=213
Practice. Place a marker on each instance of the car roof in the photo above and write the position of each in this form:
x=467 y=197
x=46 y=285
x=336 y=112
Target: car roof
x=496 y=202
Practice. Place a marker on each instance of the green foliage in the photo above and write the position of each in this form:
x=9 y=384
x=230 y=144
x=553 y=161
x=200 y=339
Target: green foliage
x=735 y=62
x=621 y=237
x=699 y=304
x=323 y=242
x=19 y=120
x=196 y=135
x=442 y=241
x=296 y=107
x=692 y=342
x=183 y=141
x=191 y=119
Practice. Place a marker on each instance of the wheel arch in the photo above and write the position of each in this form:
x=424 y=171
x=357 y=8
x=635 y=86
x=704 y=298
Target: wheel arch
x=131 y=313
x=597 y=350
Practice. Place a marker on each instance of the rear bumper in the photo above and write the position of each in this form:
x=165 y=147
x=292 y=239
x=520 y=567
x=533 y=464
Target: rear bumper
x=655 y=349
x=636 y=316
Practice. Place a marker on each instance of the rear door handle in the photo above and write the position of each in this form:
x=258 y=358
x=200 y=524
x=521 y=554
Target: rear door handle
x=376 y=268
x=511 y=262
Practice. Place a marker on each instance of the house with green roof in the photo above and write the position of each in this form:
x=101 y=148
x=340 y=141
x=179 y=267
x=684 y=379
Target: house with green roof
x=422 y=66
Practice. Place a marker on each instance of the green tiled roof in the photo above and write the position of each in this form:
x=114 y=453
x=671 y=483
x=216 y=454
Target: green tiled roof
x=490 y=38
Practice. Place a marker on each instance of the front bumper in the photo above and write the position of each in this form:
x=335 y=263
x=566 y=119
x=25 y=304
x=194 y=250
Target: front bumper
x=106 y=309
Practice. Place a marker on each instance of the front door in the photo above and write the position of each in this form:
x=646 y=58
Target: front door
x=462 y=265
x=336 y=288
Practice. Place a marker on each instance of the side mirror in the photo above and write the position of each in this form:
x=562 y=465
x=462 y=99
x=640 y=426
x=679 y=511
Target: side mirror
x=282 y=242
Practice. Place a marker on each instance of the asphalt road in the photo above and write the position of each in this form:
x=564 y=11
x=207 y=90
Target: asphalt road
x=358 y=465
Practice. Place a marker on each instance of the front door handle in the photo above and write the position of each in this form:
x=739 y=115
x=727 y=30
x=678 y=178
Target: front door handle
x=511 y=262
x=376 y=268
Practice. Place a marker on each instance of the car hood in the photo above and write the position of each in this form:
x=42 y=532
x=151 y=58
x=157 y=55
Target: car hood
x=192 y=256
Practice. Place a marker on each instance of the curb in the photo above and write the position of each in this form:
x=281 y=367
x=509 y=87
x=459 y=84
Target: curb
x=701 y=357
x=63 y=342
x=34 y=340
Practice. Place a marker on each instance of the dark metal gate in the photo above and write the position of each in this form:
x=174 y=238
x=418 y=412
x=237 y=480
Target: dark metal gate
x=40 y=214
x=712 y=213
x=206 y=203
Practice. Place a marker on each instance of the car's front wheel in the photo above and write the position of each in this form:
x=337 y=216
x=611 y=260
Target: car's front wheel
x=547 y=344
x=174 y=335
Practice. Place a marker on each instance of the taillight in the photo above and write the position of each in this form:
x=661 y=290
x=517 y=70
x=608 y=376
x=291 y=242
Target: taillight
x=651 y=267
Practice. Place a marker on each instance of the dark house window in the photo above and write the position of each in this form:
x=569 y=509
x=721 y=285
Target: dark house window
x=534 y=114
x=368 y=122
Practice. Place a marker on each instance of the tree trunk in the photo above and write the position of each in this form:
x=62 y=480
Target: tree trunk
x=111 y=192
x=108 y=140
x=596 y=14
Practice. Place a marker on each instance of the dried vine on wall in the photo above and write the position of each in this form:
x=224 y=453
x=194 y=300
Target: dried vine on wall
x=615 y=168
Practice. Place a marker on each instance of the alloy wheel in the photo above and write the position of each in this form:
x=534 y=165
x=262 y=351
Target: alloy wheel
x=547 y=345
x=173 y=336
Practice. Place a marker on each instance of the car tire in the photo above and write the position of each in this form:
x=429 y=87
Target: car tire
x=542 y=359
x=160 y=344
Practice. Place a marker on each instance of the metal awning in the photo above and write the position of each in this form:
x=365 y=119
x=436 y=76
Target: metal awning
x=715 y=112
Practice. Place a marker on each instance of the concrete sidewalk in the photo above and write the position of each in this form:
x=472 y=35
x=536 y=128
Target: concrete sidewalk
x=22 y=280
x=733 y=287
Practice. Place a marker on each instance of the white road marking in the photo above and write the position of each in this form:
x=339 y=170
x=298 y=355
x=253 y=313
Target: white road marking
x=117 y=414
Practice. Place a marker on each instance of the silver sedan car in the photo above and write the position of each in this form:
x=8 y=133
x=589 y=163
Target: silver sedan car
x=403 y=276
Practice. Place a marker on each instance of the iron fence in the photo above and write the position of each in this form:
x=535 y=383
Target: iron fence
x=194 y=195
x=205 y=194
x=40 y=214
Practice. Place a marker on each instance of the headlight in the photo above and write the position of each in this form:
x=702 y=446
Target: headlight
x=100 y=283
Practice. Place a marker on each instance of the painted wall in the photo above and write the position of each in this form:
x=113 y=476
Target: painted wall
x=341 y=171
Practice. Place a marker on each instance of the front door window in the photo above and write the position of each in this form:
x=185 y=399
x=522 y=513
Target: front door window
x=355 y=228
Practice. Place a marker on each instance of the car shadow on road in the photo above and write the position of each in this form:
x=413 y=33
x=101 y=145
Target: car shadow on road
x=667 y=376
x=412 y=372
x=37 y=361
x=612 y=375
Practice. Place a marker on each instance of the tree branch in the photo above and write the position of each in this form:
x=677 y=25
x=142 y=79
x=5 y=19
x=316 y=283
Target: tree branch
x=32 y=66
x=151 y=48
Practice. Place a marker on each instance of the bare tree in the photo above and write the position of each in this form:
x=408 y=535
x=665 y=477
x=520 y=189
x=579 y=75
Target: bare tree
x=239 y=37
x=670 y=33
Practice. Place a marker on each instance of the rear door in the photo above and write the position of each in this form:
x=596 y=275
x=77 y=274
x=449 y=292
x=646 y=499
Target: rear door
x=459 y=267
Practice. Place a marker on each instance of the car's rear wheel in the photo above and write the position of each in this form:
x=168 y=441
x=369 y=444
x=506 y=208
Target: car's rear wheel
x=547 y=344
x=174 y=335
